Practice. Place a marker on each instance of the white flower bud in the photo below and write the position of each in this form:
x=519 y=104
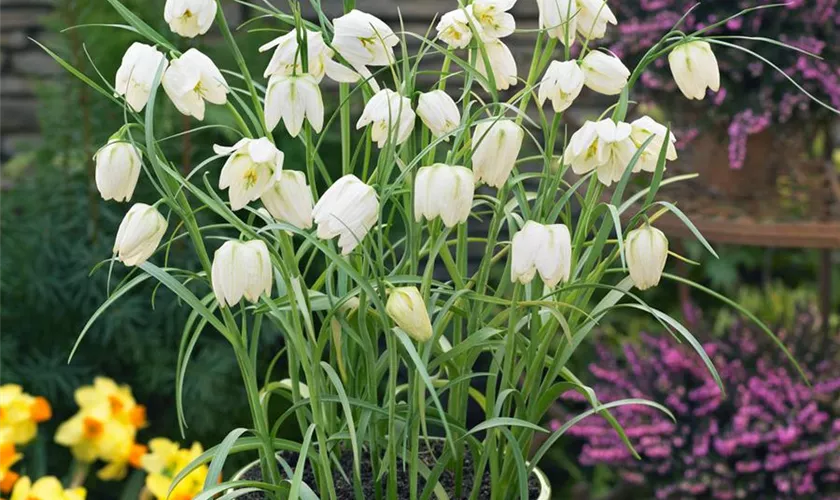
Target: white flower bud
x=137 y=74
x=139 y=234
x=604 y=73
x=241 y=270
x=646 y=251
x=364 y=40
x=493 y=17
x=118 y=166
x=192 y=79
x=251 y=168
x=562 y=83
x=558 y=18
x=408 y=310
x=286 y=59
x=189 y=18
x=348 y=209
x=502 y=64
x=438 y=112
x=443 y=191
x=546 y=249
x=593 y=17
x=495 y=147
x=454 y=27
x=643 y=128
x=293 y=98
x=289 y=199
x=390 y=116
x=695 y=68
x=604 y=146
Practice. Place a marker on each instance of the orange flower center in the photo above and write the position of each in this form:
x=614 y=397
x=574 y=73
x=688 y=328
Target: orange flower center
x=135 y=456
x=116 y=404
x=7 y=482
x=137 y=416
x=7 y=454
x=182 y=496
x=92 y=428
x=40 y=411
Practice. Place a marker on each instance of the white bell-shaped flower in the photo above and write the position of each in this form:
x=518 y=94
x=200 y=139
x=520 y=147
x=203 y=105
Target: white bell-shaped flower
x=502 y=64
x=251 y=168
x=643 y=128
x=494 y=18
x=348 y=209
x=189 y=18
x=139 y=234
x=495 y=147
x=543 y=249
x=390 y=116
x=438 y=112
x=558 y=18
x=604 y=73
x=241 y=269
x=292 y=98
x=443 y=191
x=136 y=74
x=646 y=251
x=454 y=27
x=192 y=79
x=364 y=40
x=562 y=84
x=118 y=166
x=604 y=146
x=289 y=199
x=695 y=68
x=593 y=16
x=286 y=59
x=408 y=310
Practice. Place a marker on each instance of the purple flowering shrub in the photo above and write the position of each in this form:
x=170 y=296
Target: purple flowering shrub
x=772 y=436
x=753 y=95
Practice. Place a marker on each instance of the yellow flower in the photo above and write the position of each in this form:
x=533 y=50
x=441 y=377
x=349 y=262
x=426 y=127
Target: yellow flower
x=8 y=457
x=93 y=433
x=117 y=398
x=20 y=414
x=164 y=461
x=46 y=488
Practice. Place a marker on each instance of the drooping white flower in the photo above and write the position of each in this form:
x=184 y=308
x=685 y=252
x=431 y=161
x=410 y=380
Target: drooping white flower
x=137 y=73
x=286 y=59
x=543 y=249
x=192 y=79
x=348 y=209
x=438 y=112
x=293 y=98
x=643 y=128
x=604 y=146
x=495 y=147
x=118 y=166
x=139 y=234
x=443 y=191
x=604 y=73
x=454 y=27
x=390 y=116
x=289 y=199
x=593 y=17
x=252 y=166
x=647 y=251
x=408 y=310
x=364 y=40
x=241 y=269
x=559 y=19
x=493 y=17
x=562 y=84
x=189 y=18
x=695 y=68
x=502 y=64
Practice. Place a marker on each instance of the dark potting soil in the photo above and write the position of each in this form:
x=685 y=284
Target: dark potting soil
x=344 y=490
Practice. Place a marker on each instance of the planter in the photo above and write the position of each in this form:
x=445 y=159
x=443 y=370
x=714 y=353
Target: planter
x=540 y=487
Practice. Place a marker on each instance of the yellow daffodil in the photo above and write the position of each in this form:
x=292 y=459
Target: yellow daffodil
x=8 y=457
x=117 y=398
x=20 y=414
x=46 y=488
x=116 y=470
x=163 y=462
x=93 y=433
